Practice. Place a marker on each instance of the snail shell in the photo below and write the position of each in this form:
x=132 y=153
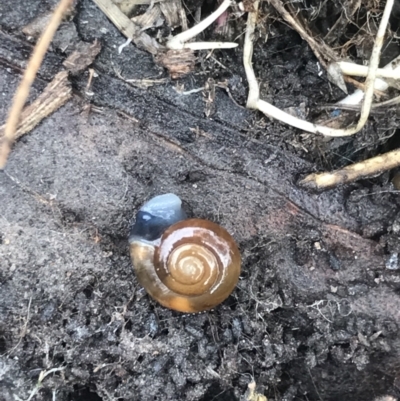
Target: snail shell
x=189 y=265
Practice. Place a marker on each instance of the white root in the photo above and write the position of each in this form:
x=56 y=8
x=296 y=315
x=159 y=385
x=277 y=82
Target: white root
x=254 y=101
x=380 y=84
x=178 y=42
x=357 y=70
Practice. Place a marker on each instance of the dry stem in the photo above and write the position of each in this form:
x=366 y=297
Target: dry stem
x=28 y=78
x=368 y=168
x=127 y=27
x=55 y=95
x=322 y=51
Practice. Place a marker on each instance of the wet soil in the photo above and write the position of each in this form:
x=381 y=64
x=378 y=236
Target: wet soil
x=316 y=313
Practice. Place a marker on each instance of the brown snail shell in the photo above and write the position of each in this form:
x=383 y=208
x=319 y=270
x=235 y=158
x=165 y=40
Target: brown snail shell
x=189 y=265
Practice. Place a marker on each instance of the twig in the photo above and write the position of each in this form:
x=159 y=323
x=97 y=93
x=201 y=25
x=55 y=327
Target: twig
x=322 y=51
x=43 y=374
x=24 y=329
x=55 y=95
x=28 y=78
x=144 y=2
x=371 y=167
x=387 y=103
x=127 y=27
x=141 y=83
x=254 y=102
x=315 y=386
x=209 y=45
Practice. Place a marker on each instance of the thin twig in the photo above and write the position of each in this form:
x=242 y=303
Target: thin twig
x=55 y=95
x=128 y=28
x=28 y=78
x=209 y=45
x=367 y=168
x=322 y=51
x=24 y=329
x=43 y=374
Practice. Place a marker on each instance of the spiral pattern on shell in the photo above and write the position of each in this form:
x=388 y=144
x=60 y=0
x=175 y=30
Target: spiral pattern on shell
x=192 y=267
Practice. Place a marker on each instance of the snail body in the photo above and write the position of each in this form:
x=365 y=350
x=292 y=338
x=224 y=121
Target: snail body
x=189 y=265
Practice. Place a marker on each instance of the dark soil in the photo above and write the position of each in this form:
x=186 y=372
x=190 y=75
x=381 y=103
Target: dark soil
x=316 y=314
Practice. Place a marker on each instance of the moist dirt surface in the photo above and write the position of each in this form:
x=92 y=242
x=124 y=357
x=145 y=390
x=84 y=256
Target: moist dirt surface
x=316 y=313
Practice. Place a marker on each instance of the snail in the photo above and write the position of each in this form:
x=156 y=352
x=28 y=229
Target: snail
x=189 y=265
